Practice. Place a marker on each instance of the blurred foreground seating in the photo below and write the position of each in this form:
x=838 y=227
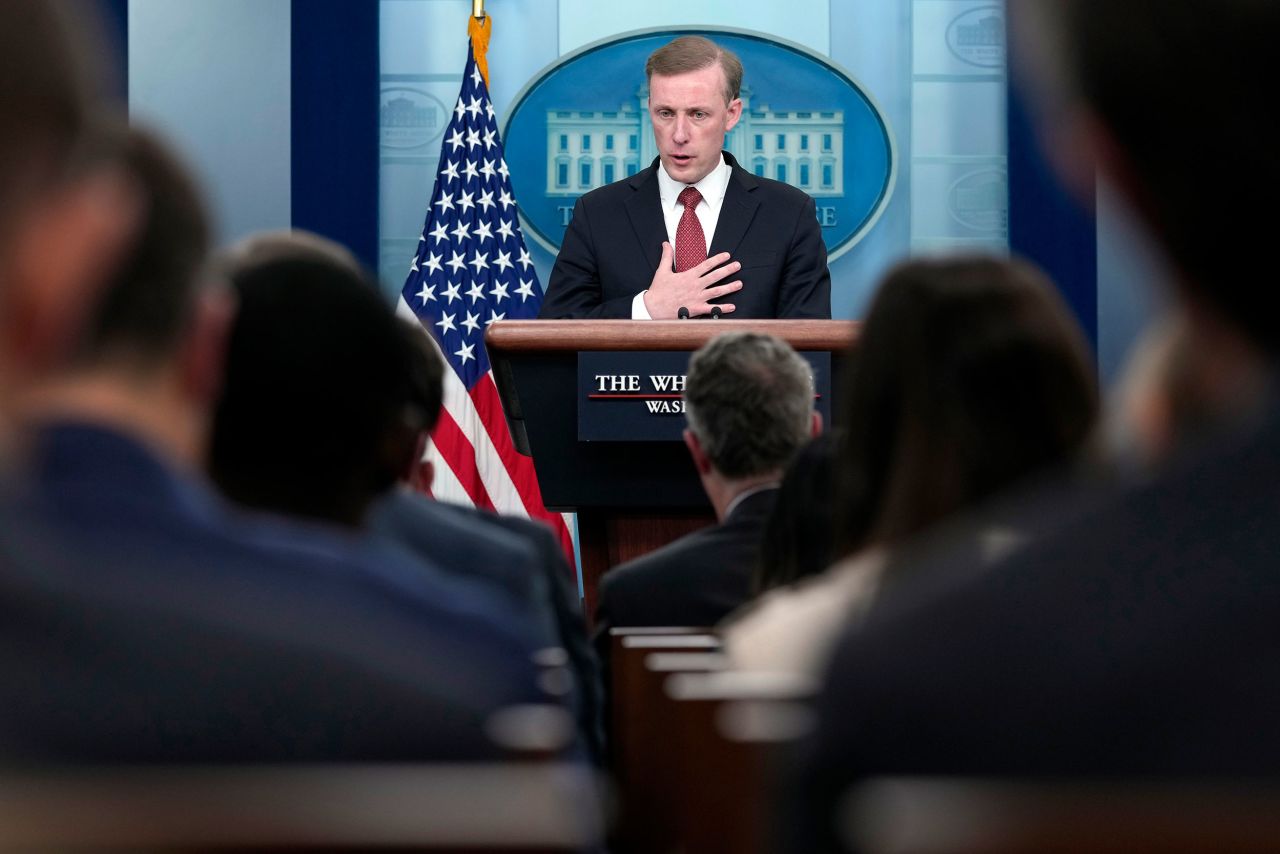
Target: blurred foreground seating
x=499 y=808
x=967 y=816
x=642 y=728
x=695 y=745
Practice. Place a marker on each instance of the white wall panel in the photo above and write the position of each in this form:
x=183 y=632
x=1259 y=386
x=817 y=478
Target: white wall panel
x=214 y=75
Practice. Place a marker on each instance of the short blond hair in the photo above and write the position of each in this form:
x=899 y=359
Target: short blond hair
x=694 y=53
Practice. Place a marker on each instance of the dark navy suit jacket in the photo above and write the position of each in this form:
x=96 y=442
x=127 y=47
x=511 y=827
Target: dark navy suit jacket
x=1139 y=636
x=614 y=243
x=140 y=622
x=456 y=541
x=518 y=556
x=695 y=581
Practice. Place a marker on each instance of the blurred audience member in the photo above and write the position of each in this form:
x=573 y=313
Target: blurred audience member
x=166 y=630
x=749 y=402
x=799 y=535
x=1176 y=395
x=304 y=301
x=969 y=377
x=451 y=535
x=66 y=208
x=1135 y=634
x=315 y=381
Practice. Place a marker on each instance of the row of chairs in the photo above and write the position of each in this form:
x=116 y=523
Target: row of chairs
x=530 y=802
x=694 y=743
x=697 y=751
x=517 y=807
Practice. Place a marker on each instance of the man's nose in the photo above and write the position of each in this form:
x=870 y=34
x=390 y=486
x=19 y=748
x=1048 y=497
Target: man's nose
x=680 y=131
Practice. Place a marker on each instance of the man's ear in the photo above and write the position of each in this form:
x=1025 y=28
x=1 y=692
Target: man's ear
x=733 y=114
x=815 y=425
x=700 y=459
x=62 y=252
x=423 y=476
x=204 y=350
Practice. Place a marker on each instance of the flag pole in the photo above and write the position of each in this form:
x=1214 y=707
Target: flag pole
x=479 y=26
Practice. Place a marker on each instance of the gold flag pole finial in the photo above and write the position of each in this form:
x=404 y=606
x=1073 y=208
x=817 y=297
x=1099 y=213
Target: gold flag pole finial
x=479 y=26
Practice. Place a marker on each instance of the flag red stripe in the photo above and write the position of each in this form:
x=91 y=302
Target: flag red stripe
x=484 y=394
x=460 y=455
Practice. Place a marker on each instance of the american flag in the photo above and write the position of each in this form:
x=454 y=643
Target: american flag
x=472 y=268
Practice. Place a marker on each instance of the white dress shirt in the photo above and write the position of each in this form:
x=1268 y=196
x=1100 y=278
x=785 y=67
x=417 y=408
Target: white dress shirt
x=712 y=187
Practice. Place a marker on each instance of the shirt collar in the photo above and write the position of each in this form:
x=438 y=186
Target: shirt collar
x=712 y=186
x=747 y=493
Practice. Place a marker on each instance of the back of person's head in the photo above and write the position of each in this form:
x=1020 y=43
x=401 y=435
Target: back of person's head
x=749 y=401
x=65 y=213
x=425 y=375
x=1180 y=90
x=422 y=407
x=969 y=375
x=46 y=103
x=146 y=308
x=315 y=379
x=798 y=538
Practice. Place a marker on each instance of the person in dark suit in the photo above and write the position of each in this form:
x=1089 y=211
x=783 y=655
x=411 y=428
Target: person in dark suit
x=1135 y=635
x=145 y=621
x=304 y=300
x=694 y=234
x=264 y=447
x=749 y=403
x=440 y=530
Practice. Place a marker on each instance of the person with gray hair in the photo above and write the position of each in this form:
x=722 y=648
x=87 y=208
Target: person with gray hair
x=749 y=403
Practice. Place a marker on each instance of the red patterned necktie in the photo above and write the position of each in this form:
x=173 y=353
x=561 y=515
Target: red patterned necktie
x=691 y=243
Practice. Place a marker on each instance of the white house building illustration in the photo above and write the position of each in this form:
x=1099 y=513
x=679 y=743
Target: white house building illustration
x=590 y=148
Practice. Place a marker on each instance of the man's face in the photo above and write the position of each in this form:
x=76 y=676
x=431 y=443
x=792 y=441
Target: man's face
x=690 y=119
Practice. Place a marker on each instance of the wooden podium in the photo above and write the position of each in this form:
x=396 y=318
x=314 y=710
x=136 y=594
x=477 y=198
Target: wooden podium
x=630 y=497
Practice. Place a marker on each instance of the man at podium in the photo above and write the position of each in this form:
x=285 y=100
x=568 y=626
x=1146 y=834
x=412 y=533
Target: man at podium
x=694 y=234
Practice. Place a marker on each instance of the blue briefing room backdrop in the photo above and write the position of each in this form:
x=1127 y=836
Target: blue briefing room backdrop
x=325 y=114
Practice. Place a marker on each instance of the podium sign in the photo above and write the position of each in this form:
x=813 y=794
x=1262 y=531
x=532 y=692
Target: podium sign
x=639 y=396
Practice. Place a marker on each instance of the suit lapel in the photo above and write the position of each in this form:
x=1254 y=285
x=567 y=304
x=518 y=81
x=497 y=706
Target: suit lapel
x=644 y=207
x=737 y=210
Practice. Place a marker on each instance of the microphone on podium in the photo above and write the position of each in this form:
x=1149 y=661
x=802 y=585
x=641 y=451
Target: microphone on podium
x=682 y=313
x=716 y=312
